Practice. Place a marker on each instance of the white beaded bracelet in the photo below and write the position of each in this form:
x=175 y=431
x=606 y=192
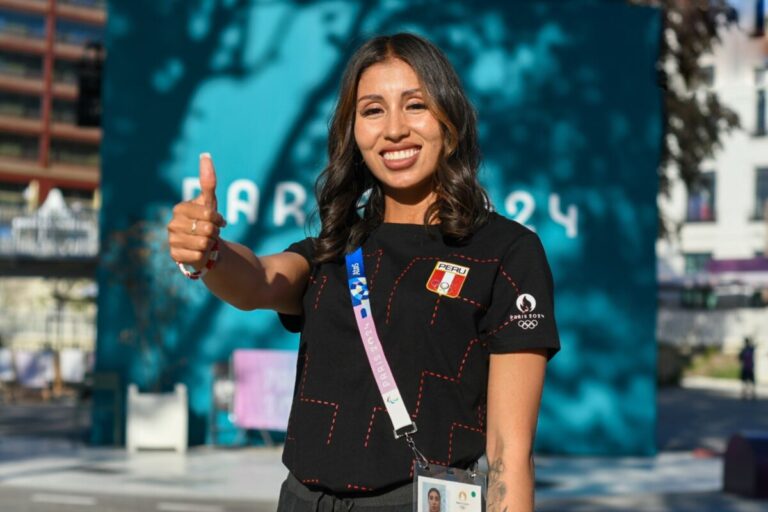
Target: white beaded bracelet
x=197 y=274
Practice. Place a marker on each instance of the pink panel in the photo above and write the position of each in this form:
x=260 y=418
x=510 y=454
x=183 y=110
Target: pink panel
x=264 y=382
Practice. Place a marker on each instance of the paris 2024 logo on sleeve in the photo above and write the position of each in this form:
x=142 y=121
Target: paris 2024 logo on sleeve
x=527 y=319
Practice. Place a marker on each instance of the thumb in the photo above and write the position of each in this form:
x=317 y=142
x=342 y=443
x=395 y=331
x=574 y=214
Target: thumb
x=207 y=181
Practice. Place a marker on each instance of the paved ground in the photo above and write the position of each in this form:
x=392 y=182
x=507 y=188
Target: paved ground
x=44 y=467
x=704 y=412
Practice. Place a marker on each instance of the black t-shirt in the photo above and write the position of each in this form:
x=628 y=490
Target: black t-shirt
x=439 y=310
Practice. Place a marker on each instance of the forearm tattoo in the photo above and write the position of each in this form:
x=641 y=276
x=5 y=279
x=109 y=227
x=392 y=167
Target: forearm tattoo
x=497 y=490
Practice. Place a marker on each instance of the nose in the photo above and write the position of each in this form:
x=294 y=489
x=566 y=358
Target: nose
x=397 y=126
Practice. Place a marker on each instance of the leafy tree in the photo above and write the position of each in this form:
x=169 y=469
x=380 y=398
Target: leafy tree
x=696 y=121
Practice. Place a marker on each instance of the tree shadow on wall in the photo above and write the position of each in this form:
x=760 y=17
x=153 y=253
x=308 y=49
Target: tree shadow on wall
x=560 y=110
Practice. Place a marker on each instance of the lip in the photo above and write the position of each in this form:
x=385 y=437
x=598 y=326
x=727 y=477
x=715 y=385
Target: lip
x=403 y=163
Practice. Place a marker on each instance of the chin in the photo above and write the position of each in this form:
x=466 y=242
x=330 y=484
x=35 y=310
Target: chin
x=405 y=183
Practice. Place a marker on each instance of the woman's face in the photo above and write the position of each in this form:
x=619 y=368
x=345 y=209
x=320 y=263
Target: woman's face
x=399 y=138
x=434 y=501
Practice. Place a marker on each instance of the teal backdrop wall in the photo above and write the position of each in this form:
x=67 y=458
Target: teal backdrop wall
x=571 y=126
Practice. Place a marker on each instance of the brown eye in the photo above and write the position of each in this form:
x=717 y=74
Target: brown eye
x=417 y=106
x=372 y=111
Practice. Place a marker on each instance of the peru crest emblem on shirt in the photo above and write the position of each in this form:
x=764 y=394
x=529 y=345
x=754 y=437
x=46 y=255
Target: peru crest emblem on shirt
x=447 y=279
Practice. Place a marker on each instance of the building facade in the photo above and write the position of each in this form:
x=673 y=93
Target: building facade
x=42 y=43
x=713 y=272
x=49 y=172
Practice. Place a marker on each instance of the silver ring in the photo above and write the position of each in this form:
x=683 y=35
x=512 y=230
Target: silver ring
x=194 y=225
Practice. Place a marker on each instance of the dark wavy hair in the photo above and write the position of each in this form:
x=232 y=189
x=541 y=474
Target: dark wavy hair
x=461 y=205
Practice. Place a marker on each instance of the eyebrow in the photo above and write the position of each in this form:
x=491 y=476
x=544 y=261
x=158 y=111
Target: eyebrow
x=379 y=97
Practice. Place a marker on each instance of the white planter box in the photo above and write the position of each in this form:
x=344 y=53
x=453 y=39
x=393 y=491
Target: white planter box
x=157 y=421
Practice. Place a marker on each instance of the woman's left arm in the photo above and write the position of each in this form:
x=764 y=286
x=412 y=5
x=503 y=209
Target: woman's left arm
x=515 y=383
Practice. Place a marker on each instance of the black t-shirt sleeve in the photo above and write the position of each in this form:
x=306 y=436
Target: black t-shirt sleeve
x=305 y=248
x=521 y=315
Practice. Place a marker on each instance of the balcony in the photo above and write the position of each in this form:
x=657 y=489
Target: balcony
x=34 y=87
x=67 y=10
x=60 y=172
x=36 y=46
x=61 y=131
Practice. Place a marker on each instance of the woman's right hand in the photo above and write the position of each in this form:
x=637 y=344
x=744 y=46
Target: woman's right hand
x=195 y=224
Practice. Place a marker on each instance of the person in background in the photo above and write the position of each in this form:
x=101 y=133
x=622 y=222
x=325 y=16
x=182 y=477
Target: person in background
x=747 y=361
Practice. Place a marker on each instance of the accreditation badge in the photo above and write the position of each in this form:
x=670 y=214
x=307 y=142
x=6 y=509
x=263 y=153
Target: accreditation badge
x=443 y=489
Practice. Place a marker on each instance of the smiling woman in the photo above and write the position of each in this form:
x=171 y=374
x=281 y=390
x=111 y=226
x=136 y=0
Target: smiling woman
x=404 y=129
x=399 y=138
x=457 y=299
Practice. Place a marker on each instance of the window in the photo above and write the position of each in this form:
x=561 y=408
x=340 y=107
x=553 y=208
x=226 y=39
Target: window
x=18 y=147
x=16 y=105
x=64 y=111
x=701 y=199
x=23 y=66
x=696 y=262
x=761 y=192
x=65 y=72
x=707 y=76
x=77 y=33
x=22 y=25
x=72 y=153
x=761 y=84
x=12 y=193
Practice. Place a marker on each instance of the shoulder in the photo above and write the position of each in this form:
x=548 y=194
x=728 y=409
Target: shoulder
x=305 y=248
x=504 y=233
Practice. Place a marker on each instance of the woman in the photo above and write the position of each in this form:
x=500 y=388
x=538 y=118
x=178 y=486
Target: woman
x=433 y=499
x=461 y=297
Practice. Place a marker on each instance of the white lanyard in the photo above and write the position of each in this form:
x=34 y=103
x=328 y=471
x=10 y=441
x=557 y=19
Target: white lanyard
x=385 y=380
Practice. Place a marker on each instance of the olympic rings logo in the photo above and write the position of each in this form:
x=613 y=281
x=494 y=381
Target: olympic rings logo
x=528 y=324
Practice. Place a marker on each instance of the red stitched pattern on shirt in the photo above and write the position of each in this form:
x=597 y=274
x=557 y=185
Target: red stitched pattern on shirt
x=450 y=435
x=430 y=373
x=474 y=260
x=434 y=313
x=500 y=327
x=509 y=278
x=302 y=398
x=415 y=414
x=400 y=277
x=322 y=286
x=376 y=409
x=359 y=487
x=517 y=291
x=473 y=302
x=353 y=487
x=481 y=411
x=378 y=253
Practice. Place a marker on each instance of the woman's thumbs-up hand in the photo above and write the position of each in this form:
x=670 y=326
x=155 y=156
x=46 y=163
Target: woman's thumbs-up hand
x=195 y=224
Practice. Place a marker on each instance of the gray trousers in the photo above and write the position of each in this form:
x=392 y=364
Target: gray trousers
x=295 y=497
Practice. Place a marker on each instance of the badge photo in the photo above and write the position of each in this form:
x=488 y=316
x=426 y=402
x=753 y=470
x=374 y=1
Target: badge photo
x=442 y=495
x=447 y=279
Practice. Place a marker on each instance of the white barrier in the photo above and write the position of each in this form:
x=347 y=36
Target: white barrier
x=157 y=420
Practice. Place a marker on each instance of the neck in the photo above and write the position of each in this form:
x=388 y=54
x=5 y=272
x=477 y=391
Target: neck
x=398 y=211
